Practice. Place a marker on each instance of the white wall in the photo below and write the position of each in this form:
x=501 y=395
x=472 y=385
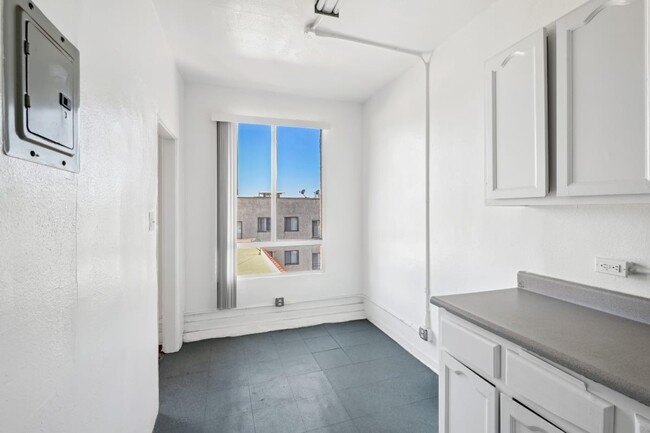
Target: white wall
x=394 y=210
x=474 y=247
x=341 y=160
x=78 y=325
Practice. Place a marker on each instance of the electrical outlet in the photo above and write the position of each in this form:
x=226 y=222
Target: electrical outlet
x=424 y=334
x=279 y=302
x=613 y=267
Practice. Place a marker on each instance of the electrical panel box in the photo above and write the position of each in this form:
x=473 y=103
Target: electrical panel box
x=41 y=103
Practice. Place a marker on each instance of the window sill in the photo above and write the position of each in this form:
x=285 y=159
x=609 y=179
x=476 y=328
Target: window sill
x=282 y=275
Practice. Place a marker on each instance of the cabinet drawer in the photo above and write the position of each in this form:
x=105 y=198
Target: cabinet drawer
x=558 y=393
x=474 y=349
x=515 y=418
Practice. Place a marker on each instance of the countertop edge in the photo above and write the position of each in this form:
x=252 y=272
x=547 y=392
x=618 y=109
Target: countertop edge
x=602 y=377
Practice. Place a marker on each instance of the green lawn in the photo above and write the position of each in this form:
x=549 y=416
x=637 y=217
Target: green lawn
x=251 y=261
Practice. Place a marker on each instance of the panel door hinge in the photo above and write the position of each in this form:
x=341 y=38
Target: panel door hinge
x=27 y=53
x=28 y=101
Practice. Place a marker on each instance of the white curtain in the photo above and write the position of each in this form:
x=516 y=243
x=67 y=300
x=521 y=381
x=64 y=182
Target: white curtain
x=226 y=215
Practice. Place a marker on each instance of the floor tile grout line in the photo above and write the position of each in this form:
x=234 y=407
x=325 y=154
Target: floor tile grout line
x=393 y=408
x=373 y=382
x=271 y=344
x=250 y=401
x=345 y=408
x=374 y=413
x=295 y=401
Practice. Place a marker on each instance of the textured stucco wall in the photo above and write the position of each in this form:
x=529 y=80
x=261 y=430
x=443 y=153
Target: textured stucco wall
x=474 y=247
x=249 y=209
x=78 y=326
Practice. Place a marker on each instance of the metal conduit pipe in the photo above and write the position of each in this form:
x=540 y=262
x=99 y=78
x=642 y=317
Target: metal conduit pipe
x=312 y=30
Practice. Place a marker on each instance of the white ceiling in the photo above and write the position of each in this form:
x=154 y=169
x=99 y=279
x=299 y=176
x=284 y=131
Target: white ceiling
x=261 y=44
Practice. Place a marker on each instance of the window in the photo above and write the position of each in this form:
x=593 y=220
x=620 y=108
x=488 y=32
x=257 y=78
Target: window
x=291 y=257
x=315 y=229
x=315 y=261
x=279 y=175
x=263 y=224
x=291 y=224
x=240 y=229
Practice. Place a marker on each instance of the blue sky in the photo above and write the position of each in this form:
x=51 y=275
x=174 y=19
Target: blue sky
x=298 y=160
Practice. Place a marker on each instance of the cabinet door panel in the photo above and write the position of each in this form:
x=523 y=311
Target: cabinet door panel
x=516 y=137
x=641 y=424
x=468 y=403
x=603 y=146
x=515 y=418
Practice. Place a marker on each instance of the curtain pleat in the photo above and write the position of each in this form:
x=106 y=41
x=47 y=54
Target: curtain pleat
x=226 y=215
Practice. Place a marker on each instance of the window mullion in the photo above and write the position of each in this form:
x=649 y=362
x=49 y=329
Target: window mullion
x=274 y=184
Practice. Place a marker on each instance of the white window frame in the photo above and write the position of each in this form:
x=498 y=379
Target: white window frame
x=318 y=254
x=268 y=224
x=290 y=252
x=289 y=219
x=285 y=243
x=320 y=235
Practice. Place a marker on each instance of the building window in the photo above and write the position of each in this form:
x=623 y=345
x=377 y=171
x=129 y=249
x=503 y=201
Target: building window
x=263 y=224
x=291 y=257
x=315 y=261
x=279 y=191
x=315 y=229
x=240 y=229
x=291 y=224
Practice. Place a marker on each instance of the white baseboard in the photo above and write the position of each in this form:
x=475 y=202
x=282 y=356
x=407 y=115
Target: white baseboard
x=246 y=321
x=404 y=334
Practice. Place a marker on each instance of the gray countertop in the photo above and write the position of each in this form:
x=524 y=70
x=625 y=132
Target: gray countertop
x=606 y=341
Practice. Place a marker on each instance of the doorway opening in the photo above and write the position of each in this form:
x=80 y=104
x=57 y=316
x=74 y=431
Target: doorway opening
x=170 y=305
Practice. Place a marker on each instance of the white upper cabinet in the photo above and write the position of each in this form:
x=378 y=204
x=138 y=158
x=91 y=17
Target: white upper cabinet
x=603 y=146
x=516 y=133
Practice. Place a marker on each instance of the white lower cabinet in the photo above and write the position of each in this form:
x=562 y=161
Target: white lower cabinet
x=468 y=403
x=516 y=418
x=488 y=384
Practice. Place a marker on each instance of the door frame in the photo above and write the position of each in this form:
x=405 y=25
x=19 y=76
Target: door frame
x=168 y=240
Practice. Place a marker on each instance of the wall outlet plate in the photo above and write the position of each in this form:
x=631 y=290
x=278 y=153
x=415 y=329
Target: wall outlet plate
x=279 y=302
x=620 y=268
x=424 y=334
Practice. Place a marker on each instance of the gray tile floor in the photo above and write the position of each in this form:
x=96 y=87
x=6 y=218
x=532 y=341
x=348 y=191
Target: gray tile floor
x=335 y=378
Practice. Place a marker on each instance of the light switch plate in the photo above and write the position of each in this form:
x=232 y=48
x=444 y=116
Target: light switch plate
x=41 y=89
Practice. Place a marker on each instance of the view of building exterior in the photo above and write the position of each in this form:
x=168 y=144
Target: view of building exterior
x=299 y=218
